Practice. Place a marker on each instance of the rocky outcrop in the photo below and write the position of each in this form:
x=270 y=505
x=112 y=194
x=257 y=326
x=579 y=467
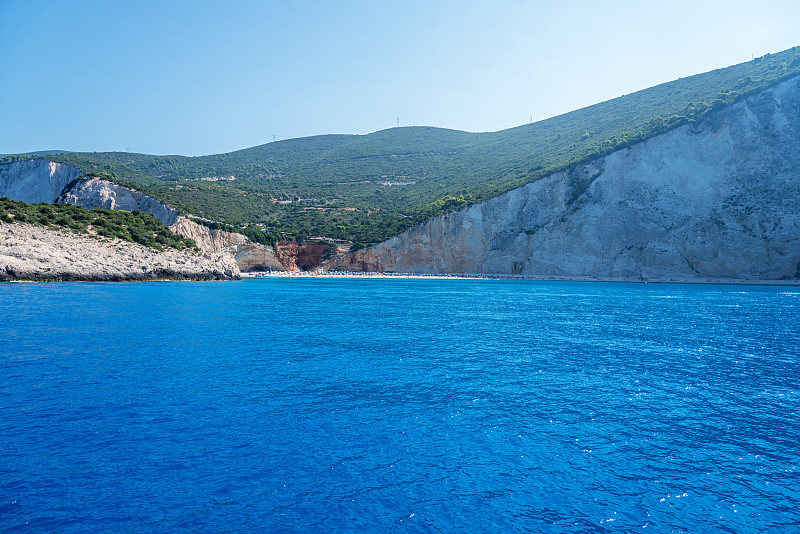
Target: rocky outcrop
x=29 y=252
x=255 y=257
x=306 y=256
x=35 y=180
x=286 y=256
x=99 y=193
x=717 y=198
x=208 y=239
x=39 y=180
x=249 y=256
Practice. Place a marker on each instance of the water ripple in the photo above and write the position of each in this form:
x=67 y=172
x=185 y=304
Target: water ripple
x=398 y=405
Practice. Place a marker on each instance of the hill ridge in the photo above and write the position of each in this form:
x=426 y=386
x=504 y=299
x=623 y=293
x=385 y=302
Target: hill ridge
x=366 y=188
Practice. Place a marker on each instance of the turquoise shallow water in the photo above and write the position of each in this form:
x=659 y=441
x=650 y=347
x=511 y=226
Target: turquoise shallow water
x=274 y=405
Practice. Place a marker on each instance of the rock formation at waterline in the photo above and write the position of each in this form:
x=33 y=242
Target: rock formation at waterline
x=29 y=252
x=249 y=256
x=716 y=198
x=39 y=180
x=713 y=198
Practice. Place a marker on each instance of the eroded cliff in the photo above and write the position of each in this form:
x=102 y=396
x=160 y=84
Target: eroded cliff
x=717 y=198
x=99 y=193
x=35 y=180
x=249 y=256
x=29 y=252
x=39 y=180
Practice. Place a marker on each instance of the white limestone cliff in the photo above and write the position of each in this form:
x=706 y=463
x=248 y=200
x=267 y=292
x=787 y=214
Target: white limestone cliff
x=99 y=193
x=36 y=253
x=717 y=198
x=35 y=180
x=249 y=256
x=39 y=180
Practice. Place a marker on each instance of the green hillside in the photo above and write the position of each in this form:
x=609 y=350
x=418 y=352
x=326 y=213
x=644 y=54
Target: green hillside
x=131 y=226
x=368 y=188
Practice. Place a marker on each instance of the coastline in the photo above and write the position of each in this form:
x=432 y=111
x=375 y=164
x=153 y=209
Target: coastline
x=30 y=253
x=536 y=278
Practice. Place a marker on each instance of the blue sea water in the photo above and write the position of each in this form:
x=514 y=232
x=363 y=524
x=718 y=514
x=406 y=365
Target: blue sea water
x=314 y=405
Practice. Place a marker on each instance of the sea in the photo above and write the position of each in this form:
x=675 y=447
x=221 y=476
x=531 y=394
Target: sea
x=399 y=405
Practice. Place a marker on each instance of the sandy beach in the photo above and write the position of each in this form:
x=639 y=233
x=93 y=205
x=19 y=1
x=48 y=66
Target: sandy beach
x=538 y=278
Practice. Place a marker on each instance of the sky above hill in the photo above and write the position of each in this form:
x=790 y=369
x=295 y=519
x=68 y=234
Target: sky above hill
x=201 y=77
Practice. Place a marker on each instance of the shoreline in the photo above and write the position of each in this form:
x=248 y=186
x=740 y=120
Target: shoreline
x=535 y=278
x=34 y=253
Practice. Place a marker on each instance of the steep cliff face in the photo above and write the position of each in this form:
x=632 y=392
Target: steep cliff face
x=306 y=256
x=249 y=256
x=39 y=180
x=44 y=181
x=98 y=193
x=35 y=180
x=717 y=198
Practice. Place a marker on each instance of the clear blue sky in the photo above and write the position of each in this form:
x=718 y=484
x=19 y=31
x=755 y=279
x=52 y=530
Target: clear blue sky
x=201 y=77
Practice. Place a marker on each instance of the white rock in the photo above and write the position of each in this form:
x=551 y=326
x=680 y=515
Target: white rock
x=35 y=180
x=39 y=180
x=98 y=193
x=718 y=198
x=249 y=256
x=29 y=252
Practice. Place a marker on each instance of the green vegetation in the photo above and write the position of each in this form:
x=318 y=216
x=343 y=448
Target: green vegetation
x=132 y=226
x=368 y=188
x=253 y=233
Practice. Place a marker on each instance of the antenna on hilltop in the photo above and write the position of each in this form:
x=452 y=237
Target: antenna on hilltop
x=398 y=122
x=273 y=137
